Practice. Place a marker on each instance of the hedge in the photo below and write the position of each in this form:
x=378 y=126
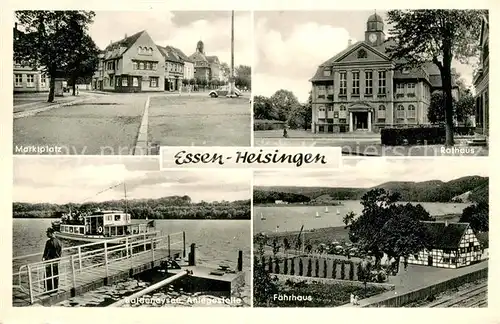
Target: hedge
x=261 y=124
x=413 y=135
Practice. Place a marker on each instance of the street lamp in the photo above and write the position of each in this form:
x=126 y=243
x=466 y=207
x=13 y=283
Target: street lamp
x=231 y=92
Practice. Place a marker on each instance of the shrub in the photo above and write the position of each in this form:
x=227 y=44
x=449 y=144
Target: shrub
x=301 y=267
x=309 y=268
x=316 y=272
x=413 y=135
x=334 y=270
x=342 y=270
x=285 y=267
x=270 y=265
x=292 y=267
x=325 y=268
x=351 y=270
x=261 y=124
x=277 y=266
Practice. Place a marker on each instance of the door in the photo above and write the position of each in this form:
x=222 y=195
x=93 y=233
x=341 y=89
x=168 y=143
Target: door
x=361 y=120
x=429 y=260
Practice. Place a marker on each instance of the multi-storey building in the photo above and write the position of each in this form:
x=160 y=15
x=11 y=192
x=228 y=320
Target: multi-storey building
x=174 y=68
x=205 y=67
x=28 y=78
x=481 y=81
x=132 y=64
x=188 y=72
x=452 y=245
x=359 y=89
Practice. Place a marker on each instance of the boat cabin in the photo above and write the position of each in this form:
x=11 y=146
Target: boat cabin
x=107 y=223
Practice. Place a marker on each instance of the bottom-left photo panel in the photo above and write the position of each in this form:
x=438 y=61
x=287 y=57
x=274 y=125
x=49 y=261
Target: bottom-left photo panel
x=118 y=232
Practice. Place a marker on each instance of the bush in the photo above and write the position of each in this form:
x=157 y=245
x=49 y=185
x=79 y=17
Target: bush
x=309 y=268
x=325 y=268
x=285 y=267
x=342 y=270
x=301 y=267
x=351 y=270
x=277 y=266
x=317 y=268
x=292 y=267
x=334 y=271
x=270 y=266
x=413 y=135
x=464 y=130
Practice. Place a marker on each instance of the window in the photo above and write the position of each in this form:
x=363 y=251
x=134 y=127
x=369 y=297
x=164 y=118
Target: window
x=355 y=83
x=412 y=112
x=406 y=71
x=155 y=66
x=342 y=120
x=327 y=72
x=343 y=112
x=139 y=50
x=135 y=66
x=330 y=89
x=43 y=81
x=381 y=113
x=400 y=112
x=141 y=66
x=343 y=84
x=330 y=108
x=153 y=83
x=446 y=260
x=135 y=81
x=117 y=217
x=18 y=80
x=382 y=82
x=124 y=84
x=471 y=244
x=321 y=91
x=30 y=80
x=369 y=83
x=400 y=90
x=415 y=256
x=335 y=114
x=411 y=89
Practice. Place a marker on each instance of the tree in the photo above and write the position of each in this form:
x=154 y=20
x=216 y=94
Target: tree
x=284 y=102
x=264 y=286
x=306 y=112
x=437 y=36
x=262 y=108
x=477 y=216
x=243 y=76
x=387 y=227
x=83 y=62
x=436 y=111
x=226 y=71
x=465 y=106
x=49 y=39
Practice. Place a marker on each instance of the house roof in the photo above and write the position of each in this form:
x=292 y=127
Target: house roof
x=170 y=54
x=445 y=235
x=212 y=59
x=483 y=238
x=183 y=56
x=117 y=49
x=375 y=18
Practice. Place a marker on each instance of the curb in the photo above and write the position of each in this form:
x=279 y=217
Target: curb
x=28 y=113
x=141 y=144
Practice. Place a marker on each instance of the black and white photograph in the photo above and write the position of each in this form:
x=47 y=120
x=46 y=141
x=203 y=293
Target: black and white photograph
x=128 y=82
x=375 y=233
x=101 y=232
x=373 y=82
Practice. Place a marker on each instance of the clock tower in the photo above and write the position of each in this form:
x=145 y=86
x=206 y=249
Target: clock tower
x=374 y=34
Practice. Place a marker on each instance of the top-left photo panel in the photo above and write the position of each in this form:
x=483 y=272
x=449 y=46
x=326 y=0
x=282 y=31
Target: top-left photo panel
x=127 y=83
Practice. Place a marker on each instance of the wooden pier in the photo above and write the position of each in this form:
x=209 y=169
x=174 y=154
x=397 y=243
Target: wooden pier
x=87 y=267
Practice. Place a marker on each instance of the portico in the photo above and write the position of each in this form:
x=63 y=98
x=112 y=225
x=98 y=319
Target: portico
x=360 y=117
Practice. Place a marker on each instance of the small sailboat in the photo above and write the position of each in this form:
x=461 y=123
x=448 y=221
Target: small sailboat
x=326 y=209
x=317 y=215
x=262 y=217
x=338 y=211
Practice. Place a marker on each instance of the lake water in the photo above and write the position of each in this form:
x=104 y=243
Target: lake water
x=217 y=241
x=291 y=218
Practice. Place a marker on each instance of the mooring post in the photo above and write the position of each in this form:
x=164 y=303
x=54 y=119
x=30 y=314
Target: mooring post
x=183 y=244
x=192 y=258
x=73 y=274
x=240 y=260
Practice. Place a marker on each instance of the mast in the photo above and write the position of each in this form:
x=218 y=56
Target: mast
x=231 y=76
x=125 y=191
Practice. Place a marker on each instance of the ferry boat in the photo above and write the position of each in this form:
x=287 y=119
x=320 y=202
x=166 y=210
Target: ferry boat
x=100 y=225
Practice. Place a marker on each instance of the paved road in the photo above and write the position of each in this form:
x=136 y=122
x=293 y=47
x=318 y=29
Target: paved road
x=199 y=121
x=106 y=124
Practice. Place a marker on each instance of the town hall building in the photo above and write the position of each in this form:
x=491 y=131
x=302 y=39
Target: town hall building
x=358 y=90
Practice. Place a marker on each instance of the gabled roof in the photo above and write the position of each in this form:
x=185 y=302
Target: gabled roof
x=212 y=59
x=170 y=54
x=445 y=235
x=183 y=56
x=117 y=49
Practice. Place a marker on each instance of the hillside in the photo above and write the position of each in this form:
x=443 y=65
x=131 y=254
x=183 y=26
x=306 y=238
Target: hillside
x=173 y=207
x=425 y=191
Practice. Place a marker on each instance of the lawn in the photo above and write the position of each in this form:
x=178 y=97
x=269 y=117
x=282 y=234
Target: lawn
x=318 y=294
x=199 y=121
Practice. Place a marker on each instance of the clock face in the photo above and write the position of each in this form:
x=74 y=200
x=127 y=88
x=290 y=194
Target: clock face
x=373 y=38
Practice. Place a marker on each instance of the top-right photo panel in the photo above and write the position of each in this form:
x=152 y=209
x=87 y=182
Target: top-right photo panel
x=375 y=83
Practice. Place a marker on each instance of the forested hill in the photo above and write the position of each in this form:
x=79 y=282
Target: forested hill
x=426 y=191
x=173 y=207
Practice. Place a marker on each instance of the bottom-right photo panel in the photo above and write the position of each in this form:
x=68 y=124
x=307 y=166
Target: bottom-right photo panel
x=375 y=233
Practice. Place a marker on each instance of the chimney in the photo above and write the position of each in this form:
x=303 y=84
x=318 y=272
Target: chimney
x=349 y=42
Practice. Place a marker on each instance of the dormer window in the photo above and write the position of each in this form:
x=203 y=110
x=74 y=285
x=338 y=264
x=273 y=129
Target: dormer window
x=139 y=50
x=362 y=53
x=406 y=71
x=327 y=72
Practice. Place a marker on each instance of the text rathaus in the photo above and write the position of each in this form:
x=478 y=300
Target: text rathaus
x=359 y=89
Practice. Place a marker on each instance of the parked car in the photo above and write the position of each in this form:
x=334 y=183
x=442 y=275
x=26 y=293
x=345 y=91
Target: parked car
x=223 y=91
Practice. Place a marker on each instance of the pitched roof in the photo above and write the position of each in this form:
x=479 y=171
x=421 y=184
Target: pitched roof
x=212 y=59
x=183 y=56
x=117 y=49
x=445 y=235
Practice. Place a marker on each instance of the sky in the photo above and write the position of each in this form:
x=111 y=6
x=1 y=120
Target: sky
x=366 y=173
x=181 y=29
x=290 y=45
x=78 y=180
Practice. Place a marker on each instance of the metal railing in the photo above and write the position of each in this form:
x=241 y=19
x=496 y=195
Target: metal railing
x=83 y=262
